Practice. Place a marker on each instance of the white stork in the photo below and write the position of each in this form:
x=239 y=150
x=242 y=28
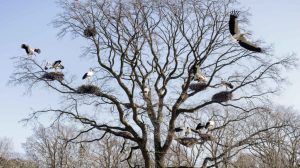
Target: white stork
x=88 y=74
x=210 y=125
x=55 y=65
x=29 y=50
x=187 y=131
x=235 y=32
x=227 y=84
x=198 y=75
x=200 y=126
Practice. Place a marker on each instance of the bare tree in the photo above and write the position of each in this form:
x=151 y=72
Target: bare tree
x=146 y=53
x=48 y=147
x=280 y=147
x=6 y=147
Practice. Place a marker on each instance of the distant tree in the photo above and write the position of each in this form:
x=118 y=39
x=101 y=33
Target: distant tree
x=48 y=147
x=6 y=147
x=146 y=53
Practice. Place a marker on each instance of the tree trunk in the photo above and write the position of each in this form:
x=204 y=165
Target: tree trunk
x=159 y=159
x=146 y=156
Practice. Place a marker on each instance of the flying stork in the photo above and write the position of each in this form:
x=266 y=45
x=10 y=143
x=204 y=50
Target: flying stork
x=88 y=74
x=29 y=50
x=235 y=32
x=227 y=84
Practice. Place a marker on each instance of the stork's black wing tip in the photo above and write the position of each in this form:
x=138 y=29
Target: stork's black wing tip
x=84 y=76
x=37 y=50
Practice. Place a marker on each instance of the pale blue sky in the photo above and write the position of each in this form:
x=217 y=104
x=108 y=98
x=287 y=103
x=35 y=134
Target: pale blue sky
x=276 y=22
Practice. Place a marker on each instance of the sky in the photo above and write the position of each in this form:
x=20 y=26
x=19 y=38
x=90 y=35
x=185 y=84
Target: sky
x=274 y=21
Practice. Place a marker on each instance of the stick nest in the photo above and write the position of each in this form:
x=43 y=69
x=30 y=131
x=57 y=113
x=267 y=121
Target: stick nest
x=206 y=137
x=198 y=86
x=223 y=96
x=89 y=89
x=90 y=31
x=51 y=76
x=187 y=141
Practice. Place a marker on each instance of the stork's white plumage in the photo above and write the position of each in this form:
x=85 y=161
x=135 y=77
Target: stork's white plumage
x=210 y=125
x=57 y=65
x=227 y=84
x=199 y=76
x=29 y=50
x=188 y=131
x=88 y=75
x=236 y=34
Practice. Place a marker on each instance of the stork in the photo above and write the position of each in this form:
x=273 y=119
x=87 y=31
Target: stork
x=200 y=126
x=55 y=65
x=88 y=75
x=210 y=125
x=29 y=50
x=227 y=84
x=198 y=75
x=236 y=34
x=187 y=130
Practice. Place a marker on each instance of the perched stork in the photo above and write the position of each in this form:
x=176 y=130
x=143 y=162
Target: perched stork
x=198 y=75
x=210 y=125
x=29 y=50
x=57 y=65
x=88 y=75
x=187 y=130
x=235 y=32
x=227 y=84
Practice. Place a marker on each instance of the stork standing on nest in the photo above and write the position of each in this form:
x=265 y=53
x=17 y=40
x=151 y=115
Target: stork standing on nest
x=198 y=75
x=55 y=65
x=210 y=125
x=88 y=75
x=237 y=35
x=186 y=130
x=29 y=50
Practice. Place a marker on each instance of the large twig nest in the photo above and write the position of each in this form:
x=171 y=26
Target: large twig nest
x=89 y=89
x=198 y=86
x=187 y=141
x=90 y=31
x=223 y=96
x=53 y=76
x=206 y=137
